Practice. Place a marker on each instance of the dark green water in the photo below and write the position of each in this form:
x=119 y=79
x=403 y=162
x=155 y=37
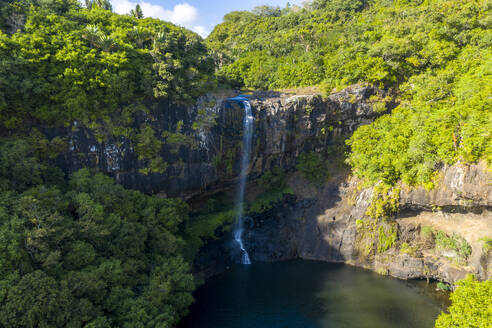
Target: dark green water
x=306 y=294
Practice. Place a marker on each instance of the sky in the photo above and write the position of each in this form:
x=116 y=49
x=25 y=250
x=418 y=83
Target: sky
x=198 y=15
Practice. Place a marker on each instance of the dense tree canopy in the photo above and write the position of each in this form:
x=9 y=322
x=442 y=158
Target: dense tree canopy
x=339 y=42
x=69 y=63
x=88 y=253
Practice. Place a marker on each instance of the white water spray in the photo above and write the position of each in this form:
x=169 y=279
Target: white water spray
x=247 y=139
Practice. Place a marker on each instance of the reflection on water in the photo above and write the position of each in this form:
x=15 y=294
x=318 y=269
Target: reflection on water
x=309 y=294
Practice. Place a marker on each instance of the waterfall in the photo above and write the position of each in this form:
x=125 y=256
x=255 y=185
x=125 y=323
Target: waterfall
x=247 y=140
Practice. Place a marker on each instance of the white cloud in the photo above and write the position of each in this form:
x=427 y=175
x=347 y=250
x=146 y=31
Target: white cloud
x=200 y=30
x=182 y=14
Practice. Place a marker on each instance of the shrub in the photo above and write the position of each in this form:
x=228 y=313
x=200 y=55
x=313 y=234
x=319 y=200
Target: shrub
x=309 y=109
x=486 y=244
x=427 y=232
x=273 y=179
x=453 y=243
x=426 y=237
x=276 y=188
x=386 y=238
x=385 y=202
x=470 y=305
x=442 y=286
x=207 y=226
x=379 y=107
x=405 y=248
x=267 y=200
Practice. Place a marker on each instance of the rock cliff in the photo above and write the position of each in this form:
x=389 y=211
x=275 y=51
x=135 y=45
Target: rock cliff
x=437 y=234
x=201 y=142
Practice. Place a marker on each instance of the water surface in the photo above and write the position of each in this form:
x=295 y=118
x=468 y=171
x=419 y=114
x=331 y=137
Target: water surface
x=306 y=294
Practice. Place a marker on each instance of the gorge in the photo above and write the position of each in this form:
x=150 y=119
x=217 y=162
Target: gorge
x=322 y=216
x=314 y=165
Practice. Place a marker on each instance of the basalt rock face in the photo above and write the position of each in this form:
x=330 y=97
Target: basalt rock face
x=330 y=224
x=189 y=166
x=202 y=142
x=287 y=126
x=202 y=145
x=462 y=186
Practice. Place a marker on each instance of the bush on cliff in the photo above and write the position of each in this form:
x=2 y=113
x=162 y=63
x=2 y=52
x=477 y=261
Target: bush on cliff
x=312 y=167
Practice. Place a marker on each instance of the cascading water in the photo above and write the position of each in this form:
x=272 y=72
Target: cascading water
x=247 y=139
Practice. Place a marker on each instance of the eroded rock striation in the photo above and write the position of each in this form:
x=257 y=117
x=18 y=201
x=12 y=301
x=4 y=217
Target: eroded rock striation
x=202 y=142
x=437 y=234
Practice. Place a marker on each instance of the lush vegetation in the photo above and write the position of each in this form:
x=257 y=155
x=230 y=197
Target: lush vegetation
x=312 y=167
x=385 y=202
x=435 y=54
x=274 y=187
x=443 y=286
x=213 y=220
x=339 y=42
x=442 y=242
x=81 y=251
x=63 y=65
x=470 y=306
x=86 y=252
x=486 y=244
x=69 y=63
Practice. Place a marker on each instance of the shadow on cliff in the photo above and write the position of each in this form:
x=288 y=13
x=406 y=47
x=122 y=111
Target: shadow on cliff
x=314 y=227
x=294 y=228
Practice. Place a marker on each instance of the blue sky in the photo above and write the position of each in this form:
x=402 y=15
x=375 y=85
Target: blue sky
x=198 y=15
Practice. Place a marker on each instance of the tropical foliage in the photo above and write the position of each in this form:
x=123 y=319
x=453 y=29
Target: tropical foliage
x=63 y=65
x=339 y=42
x=69 y=63
x=81 y=251
x=87 y=252
x=436 y=54
x=470 y=306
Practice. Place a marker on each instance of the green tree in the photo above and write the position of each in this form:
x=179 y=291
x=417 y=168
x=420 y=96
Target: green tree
x=470 y=306
x=137 y=12
x=103 y=4
x=36 y=300
x=94 y=255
